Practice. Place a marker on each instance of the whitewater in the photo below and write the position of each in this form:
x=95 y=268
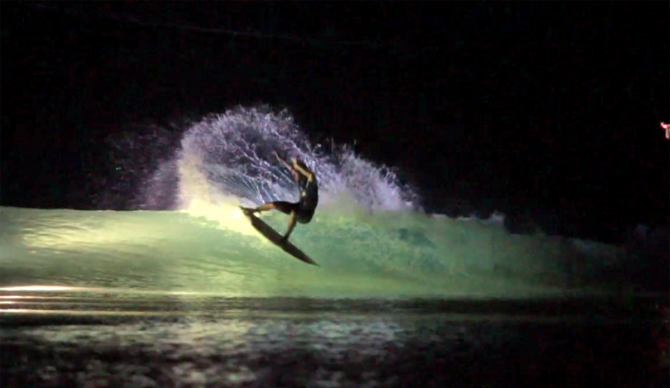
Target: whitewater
x=185 y=235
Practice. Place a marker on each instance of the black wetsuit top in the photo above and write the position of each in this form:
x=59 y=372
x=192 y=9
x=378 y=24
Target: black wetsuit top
x=309 y=198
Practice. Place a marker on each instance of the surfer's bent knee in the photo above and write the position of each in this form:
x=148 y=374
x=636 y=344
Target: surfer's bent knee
x=285 y=207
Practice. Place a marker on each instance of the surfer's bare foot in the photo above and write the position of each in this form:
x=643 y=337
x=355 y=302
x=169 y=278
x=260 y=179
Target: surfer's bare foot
x=248 y=210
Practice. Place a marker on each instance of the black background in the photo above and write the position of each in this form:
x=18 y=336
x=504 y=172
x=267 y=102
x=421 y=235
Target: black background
x=545 y=111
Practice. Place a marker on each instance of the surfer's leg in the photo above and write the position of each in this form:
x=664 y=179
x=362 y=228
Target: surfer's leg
x=282 y=206
x=286 y=208
x=291 y=225
x=265 y=207
x=261 y=208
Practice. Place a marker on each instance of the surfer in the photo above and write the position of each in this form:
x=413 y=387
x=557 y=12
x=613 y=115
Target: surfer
x=301 y=211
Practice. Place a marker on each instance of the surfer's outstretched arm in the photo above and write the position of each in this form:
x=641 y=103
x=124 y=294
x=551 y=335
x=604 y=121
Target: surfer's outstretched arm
x=296 y=167
x=288 y=166
x=282 y=161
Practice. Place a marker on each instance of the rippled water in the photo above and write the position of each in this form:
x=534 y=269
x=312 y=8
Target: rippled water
x=161 y=341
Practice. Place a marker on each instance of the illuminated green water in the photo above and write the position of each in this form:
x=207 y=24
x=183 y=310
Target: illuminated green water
x=214 y=250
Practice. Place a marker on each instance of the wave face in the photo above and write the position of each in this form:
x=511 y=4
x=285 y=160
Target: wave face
x=369 y=234
x=215 y=251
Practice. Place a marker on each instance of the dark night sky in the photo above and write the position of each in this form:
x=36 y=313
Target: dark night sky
x=544 y=109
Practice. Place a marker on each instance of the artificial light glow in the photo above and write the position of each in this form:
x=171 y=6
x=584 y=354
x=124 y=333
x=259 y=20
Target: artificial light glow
x=95 y=312
x=228 y=217
x=43 y=288
x=94 y=290
x=81 y=230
